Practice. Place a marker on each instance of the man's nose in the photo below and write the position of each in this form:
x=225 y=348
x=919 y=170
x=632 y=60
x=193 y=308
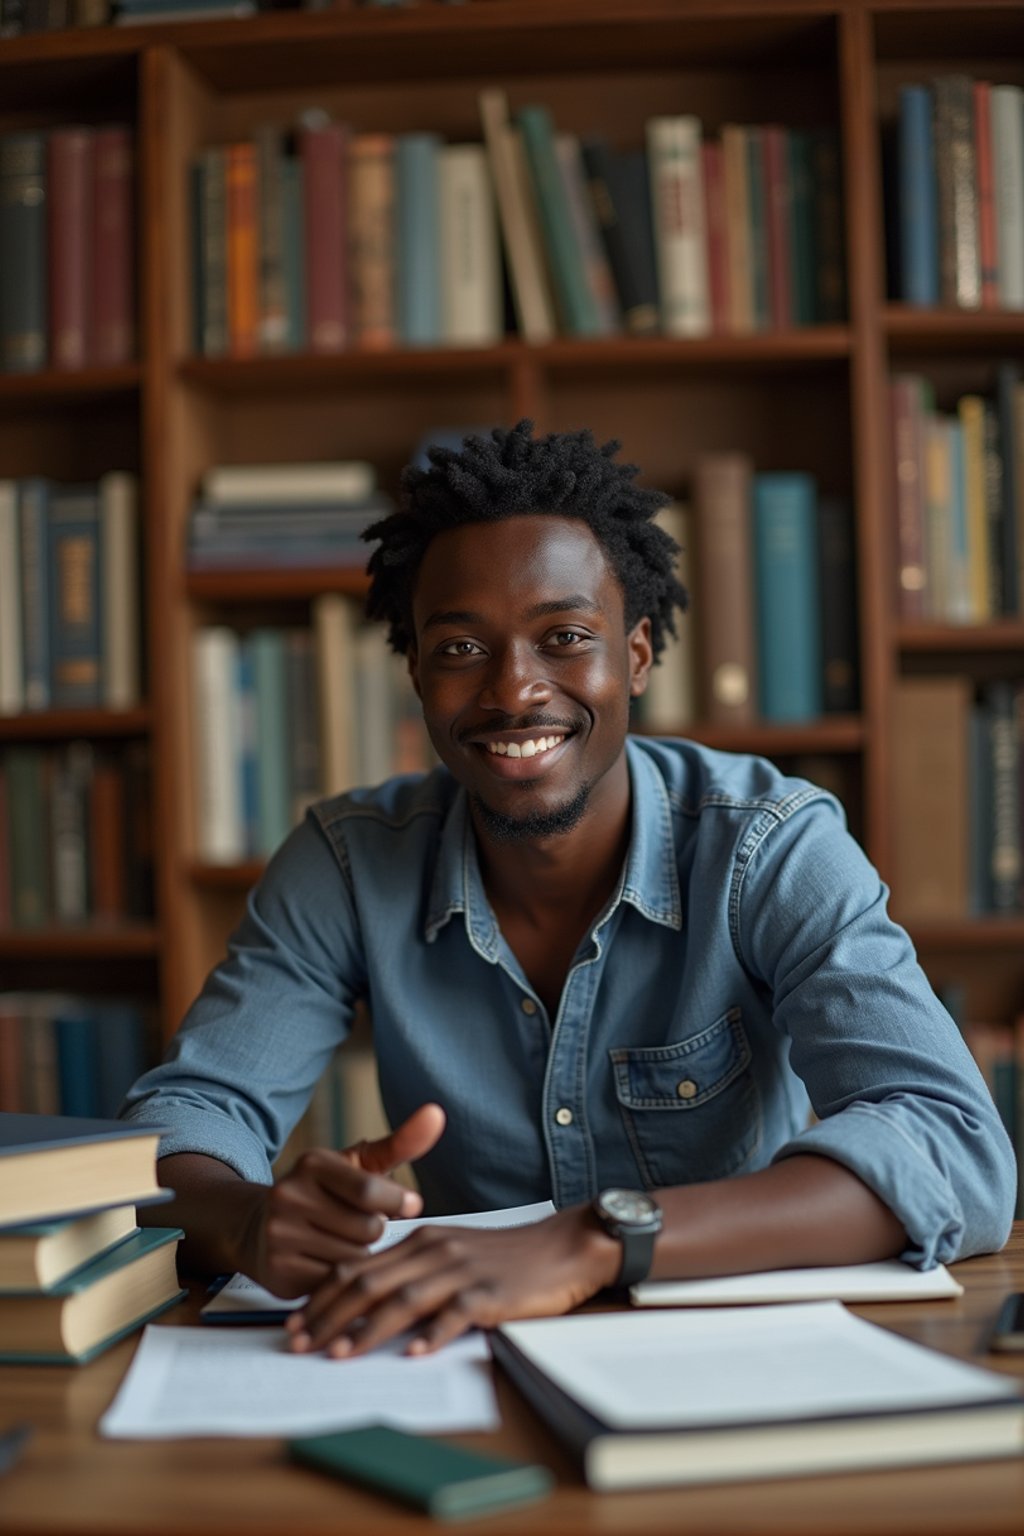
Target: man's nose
x=514 y=681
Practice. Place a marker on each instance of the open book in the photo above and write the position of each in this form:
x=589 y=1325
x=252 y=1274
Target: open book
x=887 y=1280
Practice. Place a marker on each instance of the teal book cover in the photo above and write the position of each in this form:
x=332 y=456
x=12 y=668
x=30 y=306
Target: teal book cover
x=273 y=793
x=418 y=239
x=572 y=291
x=788 y=597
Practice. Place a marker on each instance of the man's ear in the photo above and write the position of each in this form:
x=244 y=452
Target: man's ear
x=412 y=661
x=641 y=657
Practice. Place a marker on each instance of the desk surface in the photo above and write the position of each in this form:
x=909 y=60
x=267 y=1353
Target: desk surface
x=71 y=1482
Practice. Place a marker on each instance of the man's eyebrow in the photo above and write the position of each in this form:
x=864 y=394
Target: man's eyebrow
x=576 y=602
x=452 y=616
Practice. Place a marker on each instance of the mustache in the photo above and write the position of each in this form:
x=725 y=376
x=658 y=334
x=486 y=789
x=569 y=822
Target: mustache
x=532 y=722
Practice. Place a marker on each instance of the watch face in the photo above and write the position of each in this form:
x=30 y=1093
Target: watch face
x=629 y=1205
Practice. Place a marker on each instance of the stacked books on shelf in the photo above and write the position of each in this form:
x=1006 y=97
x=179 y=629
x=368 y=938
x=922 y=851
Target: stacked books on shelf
x=129 y=12
x=321 y=238
x=958 y=496
x=75 y=835
x=273 y=724
x=21 y=16
x=70 y=627
x=998 y=1049
x=270 y=516
x=67 y=244
x=69 y=1055
x=76 y=1272
x=956 y=181
x=771 y=630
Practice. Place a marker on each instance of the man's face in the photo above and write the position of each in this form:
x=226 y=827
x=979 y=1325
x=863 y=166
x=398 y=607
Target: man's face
x=525 y=670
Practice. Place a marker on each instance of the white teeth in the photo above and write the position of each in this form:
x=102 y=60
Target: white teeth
x=524 y=748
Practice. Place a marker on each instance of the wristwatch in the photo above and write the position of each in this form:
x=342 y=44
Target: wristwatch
x=635 y=1219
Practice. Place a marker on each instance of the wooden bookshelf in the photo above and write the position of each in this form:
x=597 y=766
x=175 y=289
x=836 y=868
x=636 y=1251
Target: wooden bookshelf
x=813 y=399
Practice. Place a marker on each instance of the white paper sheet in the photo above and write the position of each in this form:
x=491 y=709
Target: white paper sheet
x=888 y=1280
x=242 y=1295
x=211 y=1381
x=742 y=1365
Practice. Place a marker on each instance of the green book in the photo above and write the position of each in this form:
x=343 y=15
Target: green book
x=29 y=868
x=575 y=301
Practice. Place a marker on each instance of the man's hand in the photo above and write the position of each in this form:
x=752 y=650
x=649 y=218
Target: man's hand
x=443 y=1280
x=333 y=1205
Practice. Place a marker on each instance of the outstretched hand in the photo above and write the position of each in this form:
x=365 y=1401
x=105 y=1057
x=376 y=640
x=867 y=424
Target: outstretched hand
x=333 y=1205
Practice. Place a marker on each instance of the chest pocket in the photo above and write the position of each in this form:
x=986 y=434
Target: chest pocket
x=691 y=1110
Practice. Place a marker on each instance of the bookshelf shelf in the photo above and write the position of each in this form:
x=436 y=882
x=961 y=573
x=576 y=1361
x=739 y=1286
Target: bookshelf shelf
x=65 y=385
x=942 y=639
x=64 y=724
x=841 y=733
x=257 y=586
x=112 y=942
x=926 y=331
x=982 y=934
x=226 y=877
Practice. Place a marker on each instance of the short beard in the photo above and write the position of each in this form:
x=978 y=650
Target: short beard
x=534 y=825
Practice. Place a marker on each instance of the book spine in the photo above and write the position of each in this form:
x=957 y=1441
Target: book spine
x=961 y=606
x=938 y=498
x=107 y=853
x=918 y=208
x=471 y=293
x=121 y=627
x=371 y=221
x=971 y=412
x=1007 y=132
x=242 y=250
x=138 y=825
x=837 y=583
x=714 y=222
x=830 y=266
x=908 y=483
x=1000 y=706
x=70 y=221
x=1018 y=483
x=993 y=493
x=220 y=836
x=531 y=294
x=631 y=189
x=213 y=305
x=12 y=692
x=294 y=253
x=272 y=321
x=988 y=257
x=980 y=822
x=670 y=702
x=33 y=496
x=680 y=237
x=581 y=212
x=639 y=308
x=725 y=604
x=1011 y=586
x=246 y=735
x=122 y=1054
x=23 y=254
x=787 y=596
x=417 y=211
x=75 y=599
x=956 y=167
x=735 y=164
x=760 y=276
x=929 y=724
x=565 y=260
x=323 y=151
x=69 y=834
x=334 y=628
x=274 y=804
x=27 y=830
x=302 y=725
x=12 y=1068
x=803 y=245
x=113 y=261
x=77 y=1056
x=778 y=197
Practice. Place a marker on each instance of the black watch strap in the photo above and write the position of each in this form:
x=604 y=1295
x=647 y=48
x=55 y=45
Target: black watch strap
x=637 y=1255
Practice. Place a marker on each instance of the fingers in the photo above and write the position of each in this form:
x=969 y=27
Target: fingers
x=409 y=1141
x=340 y=1189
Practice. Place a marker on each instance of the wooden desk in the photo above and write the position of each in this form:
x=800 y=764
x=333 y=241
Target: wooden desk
x=73 y=1483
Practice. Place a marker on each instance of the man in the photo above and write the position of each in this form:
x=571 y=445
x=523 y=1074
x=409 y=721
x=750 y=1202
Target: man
x=593 y=963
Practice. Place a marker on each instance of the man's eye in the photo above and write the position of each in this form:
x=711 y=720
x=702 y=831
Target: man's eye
x=566 y=637
x=460 y=648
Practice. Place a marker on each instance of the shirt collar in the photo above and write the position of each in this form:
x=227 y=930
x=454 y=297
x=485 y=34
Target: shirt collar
x=650 y=881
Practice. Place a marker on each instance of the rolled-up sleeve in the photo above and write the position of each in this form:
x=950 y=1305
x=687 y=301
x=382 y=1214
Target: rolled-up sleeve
x=241 y=1069
x=898 y=1097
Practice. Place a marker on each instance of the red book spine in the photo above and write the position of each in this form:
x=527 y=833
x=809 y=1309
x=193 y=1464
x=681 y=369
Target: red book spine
x=714 y=218
x=987 y=243
x=324 y=153
x=243 y=274
x=70 y=204
x=777 y=199
x=107 y=843
x=113 y=262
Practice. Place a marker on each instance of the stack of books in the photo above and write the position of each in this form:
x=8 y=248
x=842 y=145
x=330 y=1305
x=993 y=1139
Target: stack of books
x=76 y=1272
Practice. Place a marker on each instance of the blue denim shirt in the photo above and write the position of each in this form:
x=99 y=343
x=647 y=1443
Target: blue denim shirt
x=744 y=971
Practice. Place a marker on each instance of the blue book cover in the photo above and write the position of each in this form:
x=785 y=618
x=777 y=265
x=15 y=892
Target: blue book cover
x=75 y=598
x=33 y=504
x=77 y=1063
x=122 y=1053
x=23 y=244
x=918 y=198
x=787 y=596
x=419 y=239
x=248 y=761
x=294 y=252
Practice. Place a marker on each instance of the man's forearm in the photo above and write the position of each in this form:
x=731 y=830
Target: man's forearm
x=215 y=1208
x=804 y=1211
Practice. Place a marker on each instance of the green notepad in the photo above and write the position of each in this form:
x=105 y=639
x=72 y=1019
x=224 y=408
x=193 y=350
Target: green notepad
x=446 y=1481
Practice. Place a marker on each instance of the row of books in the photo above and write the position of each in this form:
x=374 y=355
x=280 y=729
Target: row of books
x=322 y=238
x=26 y=16
x=998 y=1048
x=69 y=1055
x=958 y=495
x=67 y=248
x=75 y=835
x=958 y=765
x=282 y=717
x=70 y=619
x=771 y=629
x=257 y=516
x=958 y=185
x=76 y=1272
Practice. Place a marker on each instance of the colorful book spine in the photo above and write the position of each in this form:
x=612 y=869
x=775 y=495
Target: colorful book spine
x=418 y=255
x=584 y=223
x=73 y=537
x=272 y=312
x=119 y=587
x=909 y=495
x=971 y=413
x=23 y=252
x=714 y=223
x=323 y=150
x=70 y=207
x=242 y=250
x=918 y=198
x=956 y=170
x=736 y=171
x=528 y=279
x=575 y=303
x=680 y=235
x=788 y=599
x=725 y=585
x=371 y=223
x=113 y=265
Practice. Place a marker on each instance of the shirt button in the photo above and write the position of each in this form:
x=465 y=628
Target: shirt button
x=687 y=1089
x=528 y=1005
x=563 y=1116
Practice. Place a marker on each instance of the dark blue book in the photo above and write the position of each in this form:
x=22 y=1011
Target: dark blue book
x=75 y=596
x=77 y=1062
x=122 y=1053
x=23 y=257
x=837 y=583
x=33 y=503
x=615 y=213
x=787 y=597
x=918 y=198
x=294 y=252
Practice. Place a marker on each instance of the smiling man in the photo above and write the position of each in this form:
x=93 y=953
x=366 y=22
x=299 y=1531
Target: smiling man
x=611 y=972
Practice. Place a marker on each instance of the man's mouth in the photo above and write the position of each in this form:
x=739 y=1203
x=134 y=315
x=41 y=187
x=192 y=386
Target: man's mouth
x=534 y=746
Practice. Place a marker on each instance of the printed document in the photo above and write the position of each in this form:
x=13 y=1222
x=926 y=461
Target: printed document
x=887 y=1280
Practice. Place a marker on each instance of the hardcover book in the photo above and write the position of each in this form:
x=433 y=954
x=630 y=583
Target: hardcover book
x=56 y=1165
